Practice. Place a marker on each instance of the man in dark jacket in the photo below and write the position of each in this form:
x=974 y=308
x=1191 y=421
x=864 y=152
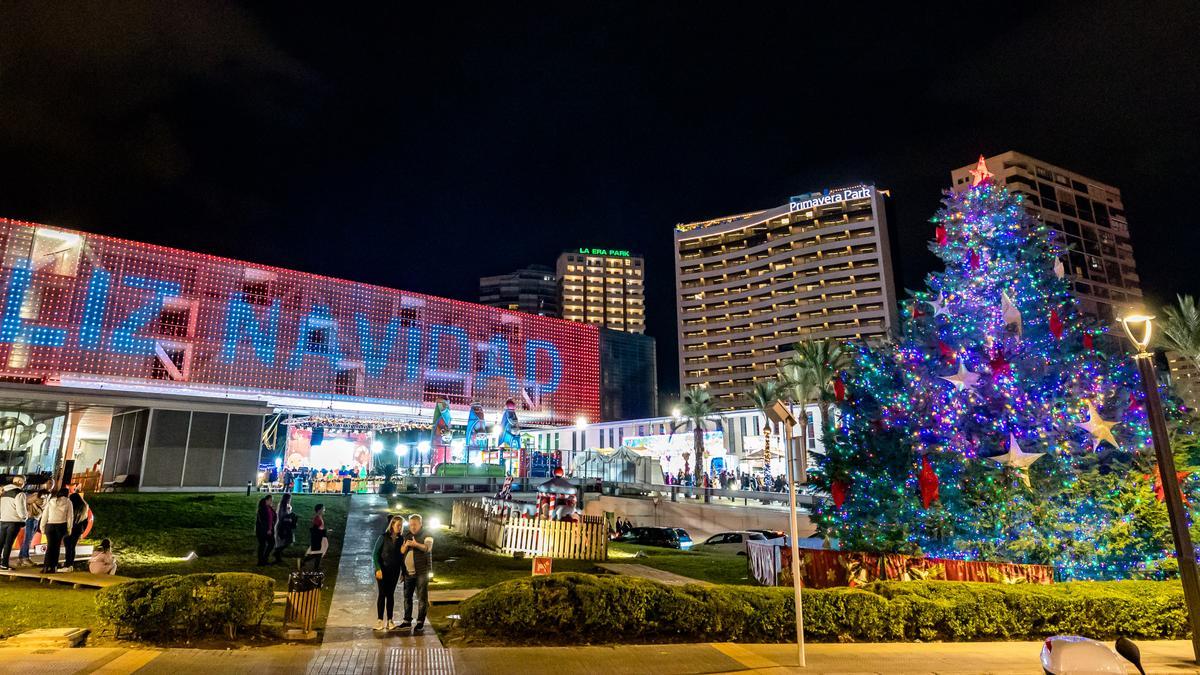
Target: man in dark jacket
x=264 y=528
x=417 y=550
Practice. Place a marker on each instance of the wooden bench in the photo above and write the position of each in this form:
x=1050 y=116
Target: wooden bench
x=125 y=480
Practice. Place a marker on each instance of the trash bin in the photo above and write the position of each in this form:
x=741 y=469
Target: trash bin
x=303 y=600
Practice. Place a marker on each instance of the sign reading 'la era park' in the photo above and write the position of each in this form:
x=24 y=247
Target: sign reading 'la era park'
x=815 y=199
x=614 y=252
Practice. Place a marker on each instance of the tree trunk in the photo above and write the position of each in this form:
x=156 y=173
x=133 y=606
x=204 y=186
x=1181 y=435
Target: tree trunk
x=767 y=450
x=698 y=457
x=803 y=421
x=826 y=423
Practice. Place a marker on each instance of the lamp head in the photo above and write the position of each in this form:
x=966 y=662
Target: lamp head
x=581 y=423
x=1139 y=328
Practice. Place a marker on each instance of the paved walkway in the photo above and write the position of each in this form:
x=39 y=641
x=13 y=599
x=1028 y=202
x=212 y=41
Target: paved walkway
x=352 y=611
x=646 y=572
x=1002 y=658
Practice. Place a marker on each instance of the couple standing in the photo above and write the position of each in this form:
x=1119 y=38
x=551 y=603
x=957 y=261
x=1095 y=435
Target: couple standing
x=403 y=554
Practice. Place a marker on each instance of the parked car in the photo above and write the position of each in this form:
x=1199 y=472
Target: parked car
x=771 y=534
x=652 y=536
x=685 y=539
x=731 y=542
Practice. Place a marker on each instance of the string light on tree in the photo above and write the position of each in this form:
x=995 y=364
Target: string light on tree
x=1018 y=344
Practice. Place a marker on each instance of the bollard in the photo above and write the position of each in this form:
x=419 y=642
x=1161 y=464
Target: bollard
x=247 y=488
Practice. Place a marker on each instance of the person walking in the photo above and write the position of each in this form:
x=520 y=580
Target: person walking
x=285 y=526
x=387 y=556
x=81 y=511
x=12 y=517
x=33 y=503
x=264 y=528
x=317 y=543
x=57 y=519
x=316 y=529
x=417 y=550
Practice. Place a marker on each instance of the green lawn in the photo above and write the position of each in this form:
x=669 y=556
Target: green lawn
x=461 y=563
x=152 y=534
x=26 y=605
x=718 y=568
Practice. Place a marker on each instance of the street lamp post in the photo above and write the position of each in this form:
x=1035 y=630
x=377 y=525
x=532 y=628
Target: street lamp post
x=1184 y=550
x=779 y=413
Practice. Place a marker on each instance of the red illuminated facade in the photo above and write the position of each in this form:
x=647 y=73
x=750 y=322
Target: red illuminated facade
x=88 y=310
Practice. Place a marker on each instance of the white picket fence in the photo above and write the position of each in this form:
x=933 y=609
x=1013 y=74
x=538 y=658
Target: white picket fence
x=492 y=523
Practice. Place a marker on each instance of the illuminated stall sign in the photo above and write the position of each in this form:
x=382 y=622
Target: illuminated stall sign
x=95 y=306
x=813 y=200
x=661 y=446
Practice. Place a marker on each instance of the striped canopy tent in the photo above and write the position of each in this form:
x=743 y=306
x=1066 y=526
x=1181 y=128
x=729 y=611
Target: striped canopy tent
x=756 y=456
x=623 y=465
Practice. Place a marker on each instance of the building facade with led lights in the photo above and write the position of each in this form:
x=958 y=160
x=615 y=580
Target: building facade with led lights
x=603 y=287
x=174 y=367
x=1090 y=216
x=751 y=286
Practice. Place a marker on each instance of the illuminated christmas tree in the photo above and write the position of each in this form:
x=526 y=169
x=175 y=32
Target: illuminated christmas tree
x=999 y=426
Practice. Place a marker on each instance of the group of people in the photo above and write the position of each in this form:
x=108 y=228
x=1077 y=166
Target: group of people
x=275 y=529
x=60 y=516
x=729 y=480
x=620 y=527
x=403 y=554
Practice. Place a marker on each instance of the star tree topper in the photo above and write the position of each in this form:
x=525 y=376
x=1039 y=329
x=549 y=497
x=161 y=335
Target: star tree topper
x=1100 y=429
x=980 y=173
x=963 y=378
x=1016 y=459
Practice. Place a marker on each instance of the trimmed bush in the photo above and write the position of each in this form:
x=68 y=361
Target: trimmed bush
x=173 y=605
x=614 y=608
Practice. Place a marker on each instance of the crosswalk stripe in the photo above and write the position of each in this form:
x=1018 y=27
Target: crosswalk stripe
x=128 y=662
x=744 y=656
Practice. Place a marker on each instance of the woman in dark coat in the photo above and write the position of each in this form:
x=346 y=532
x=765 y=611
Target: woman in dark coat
x=81 y=511
x=264 y=528
x=285 y=527
x=388 y=560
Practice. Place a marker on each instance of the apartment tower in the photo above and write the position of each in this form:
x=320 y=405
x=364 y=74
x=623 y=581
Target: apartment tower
x=750 y=286
x=1091 y=217
x=603 y=287
x=532 y=289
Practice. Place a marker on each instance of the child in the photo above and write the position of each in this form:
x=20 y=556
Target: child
x=102 y=560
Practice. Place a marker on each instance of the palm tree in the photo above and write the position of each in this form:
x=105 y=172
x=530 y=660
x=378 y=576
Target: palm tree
x=809 y=374
x=797 y=385
x=697 y=407
x=1181 y=329
x=764 y=395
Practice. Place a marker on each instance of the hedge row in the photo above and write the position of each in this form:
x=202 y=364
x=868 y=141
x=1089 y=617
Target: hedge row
x=192 y=604
x=613 y=608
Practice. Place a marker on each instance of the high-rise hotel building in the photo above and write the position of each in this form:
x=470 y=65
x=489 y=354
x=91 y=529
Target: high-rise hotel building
x=751 y=286
x=603 y=287
x=1091 y=217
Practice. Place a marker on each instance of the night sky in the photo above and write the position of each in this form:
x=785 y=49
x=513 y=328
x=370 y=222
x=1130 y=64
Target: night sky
x=421 y=150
